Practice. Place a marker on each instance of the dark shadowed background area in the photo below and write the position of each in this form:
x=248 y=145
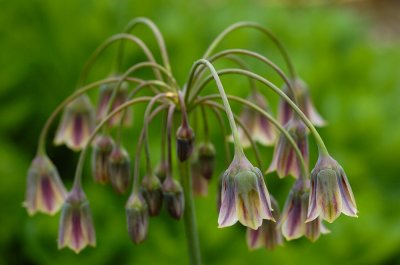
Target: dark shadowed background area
x=348 y=53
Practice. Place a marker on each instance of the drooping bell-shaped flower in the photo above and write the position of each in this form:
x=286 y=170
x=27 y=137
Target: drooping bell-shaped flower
x=121 y=97
x=137 y=218
x=184 y=141
x=199 y=183
x=173 y=197
x=119 y=166
x=45 y=191
x=259 y=127
x=268 y=235
x=206 y=159
x=152 y=193
x=285 y=161
x=304 y=103
x=77 y=124
x=331 y=193
x=244 y=196
x=102 y=147
x=76 y=229
x=294 y=215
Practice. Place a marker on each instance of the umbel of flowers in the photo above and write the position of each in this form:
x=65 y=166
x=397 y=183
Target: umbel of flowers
x=317 y=196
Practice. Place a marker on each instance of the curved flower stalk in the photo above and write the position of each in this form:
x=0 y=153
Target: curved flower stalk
x=268 y=235
x=331 y=193
x=76 y=229
x=303 y=99
x=261 y=130
x=284 y=161
x=45 y=191
x=77 y=124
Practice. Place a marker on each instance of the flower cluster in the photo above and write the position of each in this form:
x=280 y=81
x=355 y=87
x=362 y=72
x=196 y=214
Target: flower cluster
x=243 y=196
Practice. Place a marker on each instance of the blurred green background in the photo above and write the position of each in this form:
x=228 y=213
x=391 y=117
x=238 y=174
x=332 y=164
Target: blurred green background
x=348 y=53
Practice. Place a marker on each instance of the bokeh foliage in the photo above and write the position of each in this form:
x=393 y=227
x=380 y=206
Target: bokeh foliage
x=354 y=80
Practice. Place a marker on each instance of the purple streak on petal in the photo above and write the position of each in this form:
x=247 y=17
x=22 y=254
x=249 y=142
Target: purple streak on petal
x=348 y=207
x=264 y=199
x=292 y=228
x=77 y=233
x=77 y=130
x=48 y=195
x=227 y=212
x=253 y=238
x=313 y=210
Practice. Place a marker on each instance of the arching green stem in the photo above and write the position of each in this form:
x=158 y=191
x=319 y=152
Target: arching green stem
x=224 y=133
x=107 y=43
x=260 y=28
x=303 y=165
x=236 y=140
x=157 y=34
x=321 y=145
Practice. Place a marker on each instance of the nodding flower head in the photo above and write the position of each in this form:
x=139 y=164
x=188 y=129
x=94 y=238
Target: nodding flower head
x=331 y=193
x=185 y=142
x=152 y=193
x=206 y=159
x=173 y=197
x=285 y=161
x=121 y=97
x=244 y=196
x=76 y=229
x=77 y=124
x=294 y=215
x=119 y=166
x=137 y=218
x=304 y=102
x=259 y=127
x=102 y=147
x=267 y=235
x=45 y=191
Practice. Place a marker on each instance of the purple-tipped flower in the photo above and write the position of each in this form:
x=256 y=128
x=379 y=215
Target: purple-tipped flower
x=331 y=193
x=173 y=197
x=304 y=102
x=76 y=229
x=102 y=147
x=244 y=196
x=77 y=124
x=185 y=142
x=285 y=161
x=206 y=159
x=119 y=166
x=267 y=235
x=152 y=193
x=259 y=127
x=137 y=218
x=45 y=191
x=121 y=97
x=293 y=219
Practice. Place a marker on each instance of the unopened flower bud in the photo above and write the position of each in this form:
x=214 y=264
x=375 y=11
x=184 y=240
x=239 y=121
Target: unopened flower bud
x=102 y=147
x=199 y=183
x=244 y=196
x=121 y=97
x=119 y=169
x=161 y=170
x=331 y=193
x=206 y=159
x=173 y=197
x=77 y=124
x=45 y=191
x=152 y=193
x=137 y=217
x=76 y=229
x=185 y=141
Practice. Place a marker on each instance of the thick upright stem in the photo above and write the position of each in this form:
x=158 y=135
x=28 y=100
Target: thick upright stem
x=189 y=215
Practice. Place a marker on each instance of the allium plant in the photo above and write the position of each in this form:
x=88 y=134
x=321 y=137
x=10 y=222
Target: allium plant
x=243 y=195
